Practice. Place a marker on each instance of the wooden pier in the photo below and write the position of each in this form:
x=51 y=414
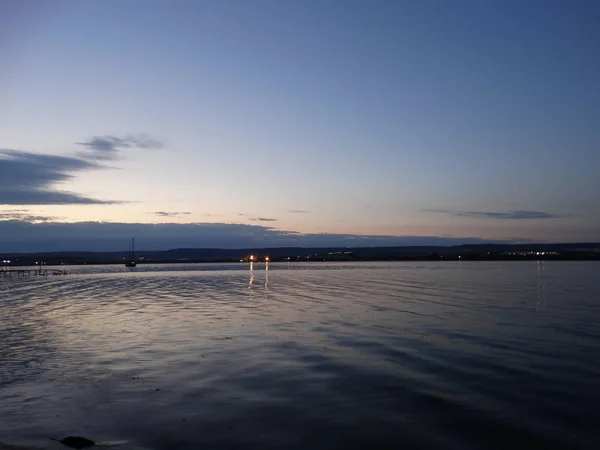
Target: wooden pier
x=20 y=273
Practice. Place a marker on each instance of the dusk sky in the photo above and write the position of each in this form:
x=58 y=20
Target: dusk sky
x=424 y=120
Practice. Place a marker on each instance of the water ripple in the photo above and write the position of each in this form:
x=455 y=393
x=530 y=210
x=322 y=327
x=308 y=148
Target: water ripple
x=377 y=355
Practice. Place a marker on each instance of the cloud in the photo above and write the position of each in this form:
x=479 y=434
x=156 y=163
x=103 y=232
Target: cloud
x=23 y=236
x=262 y=219
x=171 y=214
x=509 y=215
x=24 y=216
x=29 y=179
x=297 y=211
x=106 y=148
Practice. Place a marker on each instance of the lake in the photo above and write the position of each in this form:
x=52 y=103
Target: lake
x=456 y=355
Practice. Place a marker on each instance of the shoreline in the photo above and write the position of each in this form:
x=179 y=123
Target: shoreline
x=52 y=262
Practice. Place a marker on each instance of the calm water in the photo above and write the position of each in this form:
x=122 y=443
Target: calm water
x=315 y=356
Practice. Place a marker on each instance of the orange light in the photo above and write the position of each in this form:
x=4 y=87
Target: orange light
x=266 y=258
x=251 y=257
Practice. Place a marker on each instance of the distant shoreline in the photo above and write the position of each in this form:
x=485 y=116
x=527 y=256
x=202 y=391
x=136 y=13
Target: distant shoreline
x=479 y=252
x=459 y=258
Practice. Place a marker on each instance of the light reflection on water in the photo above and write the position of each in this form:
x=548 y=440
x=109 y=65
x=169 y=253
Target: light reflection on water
x=382 y=355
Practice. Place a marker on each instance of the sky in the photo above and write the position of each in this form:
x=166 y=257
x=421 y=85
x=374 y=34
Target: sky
x=292 y=122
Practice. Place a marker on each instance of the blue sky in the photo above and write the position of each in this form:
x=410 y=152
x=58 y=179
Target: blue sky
x=462 y=119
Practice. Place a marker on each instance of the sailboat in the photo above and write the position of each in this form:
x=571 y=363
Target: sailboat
x=131 y=262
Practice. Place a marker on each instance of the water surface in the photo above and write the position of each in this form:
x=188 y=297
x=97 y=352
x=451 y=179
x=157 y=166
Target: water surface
x=381 y=355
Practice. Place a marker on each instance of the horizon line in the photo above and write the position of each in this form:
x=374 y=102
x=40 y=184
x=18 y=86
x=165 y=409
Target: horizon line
x=482 y=244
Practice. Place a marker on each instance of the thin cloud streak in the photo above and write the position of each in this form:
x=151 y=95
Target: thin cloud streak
x=22 y=216
x=171 y=214
x=509 y=215
x=106 y=148
x=263 y=219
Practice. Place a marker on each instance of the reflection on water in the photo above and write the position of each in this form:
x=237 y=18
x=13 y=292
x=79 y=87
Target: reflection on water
x=251 y=281
x=267 y=278
x=541 y=288
x=430 y=355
